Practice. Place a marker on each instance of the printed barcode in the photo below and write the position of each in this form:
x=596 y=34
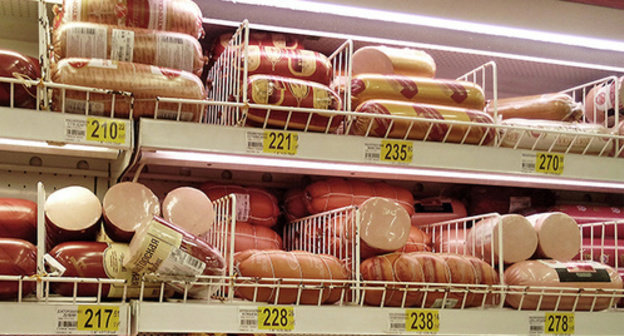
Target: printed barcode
x=171 y=39
x=89 y=31
x=254 y=144
x=75 y=132
x=537 y=328
x=248 y=322
x=529 y=165
x=68 y=324
x=397 y=325
x=186 y=259
x=373 y=156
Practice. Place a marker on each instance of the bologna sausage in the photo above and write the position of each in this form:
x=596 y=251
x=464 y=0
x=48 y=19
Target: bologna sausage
x=18 y=219
x=393 y=61
x=17 y=257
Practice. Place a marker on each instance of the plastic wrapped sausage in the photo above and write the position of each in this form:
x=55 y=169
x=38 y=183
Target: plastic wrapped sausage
x=437 y=209
x=595 y=213
x=276 y=40
x=558 y=235
x=452 y=240
x=417 y=241
x=253 y=205
x=608 y=251
x=393 y=61
x=384 y=227
x=550 y=106
x=486 y=275
x=190 y=209
x=291 y=63
x=255 y=237
x=18 y=219
x=17 y=257
x=600 y=103
x=15 y=65
x=294 y=204
x=127 y=206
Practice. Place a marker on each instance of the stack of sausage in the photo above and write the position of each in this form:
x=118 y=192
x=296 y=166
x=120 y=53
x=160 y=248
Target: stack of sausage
x=147 y=48
x=399 y=82
x=283 y=73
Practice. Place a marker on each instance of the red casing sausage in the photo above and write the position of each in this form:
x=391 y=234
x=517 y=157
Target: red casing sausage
x=290 y=63
x=17 y=257
x=15 y=65
x=18 y=219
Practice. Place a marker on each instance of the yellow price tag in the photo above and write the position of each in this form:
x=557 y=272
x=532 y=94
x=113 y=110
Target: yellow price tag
x=397 y=151
x=279 y=142
x=559 y=323
x=549 y=163
x=98 y=318
x=106 y=130
x=276 y=318
x=422 y=320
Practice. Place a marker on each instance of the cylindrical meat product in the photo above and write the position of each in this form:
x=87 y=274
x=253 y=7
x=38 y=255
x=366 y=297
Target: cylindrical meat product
x=294 y=204
x=436 y=271
x=451 y=239
x=608 y=251
x=486 y=275
x=437 y=209
x=488 y=199
x=519 y=239
x=300 y=265
x=253 y=205
x=571 y=274
x=282 y=91
x=99 y=260
x=393 y=61
x=384 y=226
x=592 y=213
x=558 y=236
x=417 y=241
x=15 y=65
x=541 y=140
x=384 y=268
x=138 y=45
x=462 y=272
x=255 y=237
x=72 y=213
x=291 y=63
x=335 y=193
x=163 y=248
x=444 y=92
x=182 y=16
x=126 y=207
x=418 y=130
x=145 y=82
x=17 y=257
x=190 y=209
x=600 y=103
x=276 y=40
x=18 y=219
x=550 y=106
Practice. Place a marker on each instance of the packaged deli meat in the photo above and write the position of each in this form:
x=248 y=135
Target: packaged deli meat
x=299 y=265
x=262 y=39
x=589 y=276
x=103 y=261
x=294 y=204
x=145 y=82
x=182 y=16
x=587 y=139
x=15 y=66
x=163 y=248
x=608 y=251
x=595 y=213
x=421 y=129
x=334 y=193
x=17 y=257
x=190 y=209
x=288 y=92
x=253 y=205
x=437 y=209
x=444 y=92
x=558 y=235
x=138 y=45
x=255 y=237
x=18 y=219
x=600 y=103
x=393 y=61
x=519 y=239
x=290 y=63
x=550 y=106
x=126 y=207
x=72 y=213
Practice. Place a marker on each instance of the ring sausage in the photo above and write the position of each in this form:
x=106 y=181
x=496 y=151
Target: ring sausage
x=550 y=106
x=393 y=61
x=17 y=257
x=18 y=219
x=291 y=63
x=253 y=205
x=558 y=235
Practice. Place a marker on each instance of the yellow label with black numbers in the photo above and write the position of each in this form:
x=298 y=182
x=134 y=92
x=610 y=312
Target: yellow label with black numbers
x=278 y=142
x=559 y=323
x=276 y=318
x=106 y=130
x=98 y=318
x=397 y=151
x=549 y=163
x=422 y=320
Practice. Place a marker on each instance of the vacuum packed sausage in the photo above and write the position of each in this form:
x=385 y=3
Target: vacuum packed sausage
x=393 y=61
x=17 y=257
x=550 y=106
x=253 y=205
x=18 y=219
x=600 y=103
x=126 y=207
x=291 y=63
x=72 y=213
x=190 y=209
x=558 y=235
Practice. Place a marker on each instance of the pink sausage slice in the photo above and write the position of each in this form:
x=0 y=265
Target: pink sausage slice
x=190 y=209
x=127 y=206
x=72 y=213
x=559 y=237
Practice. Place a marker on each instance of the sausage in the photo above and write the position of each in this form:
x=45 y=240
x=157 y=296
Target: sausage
x=334 y=193
x=486 y=275
x=190 y=209
x=451 y=240
x=126 y=207
x=18 y=219
x=290 y=265
x=550 y=106
x=15 y=65
x=255 y=237
x=294 y=204
x=487 y=199
x=164 y=248
x=282 y=91
x=519 y=239
x=276 y=40
x=291 y=63
x=145 y=82
x=138 y=45
x=253 y=205
x=608 y=251
x=600 y=103
x=417 y=241
x=397 y=129
x=99 y=260
x=72 y=213
x=571 y=274
x=462 y=272
x=384 y=226
x=17 y=257
x=437 y=209
x=436 y=271
x=182 y=16
x=393 y=61
x=455 y=93
x=558 y=142
x=558 y=235
x=593 y=213
x=384 y=268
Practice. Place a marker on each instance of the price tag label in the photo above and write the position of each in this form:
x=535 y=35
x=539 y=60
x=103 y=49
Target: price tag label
x=549 y=163
x=559 y=323
x=276 y=318
x=422 y=320
x=106 y=130
x=279 y=142
x=98 y=318
x=397 y=151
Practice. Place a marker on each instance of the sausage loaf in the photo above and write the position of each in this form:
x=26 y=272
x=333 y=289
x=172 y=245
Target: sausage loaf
x=276 y=40
x=190 y=209
x=18 y=219
x=550 y=106
x=417 y=241
x=291 y=63
x=393 y=61
x=437 y=209
x=17 y=257
x=600 y=103
x=594 y=213
x=15 y=65
x=451 y=240
x=486 y=275
x=384 y=268
x=294 y=204
x=558 y=235
x=255 y=237
x=253 y=205
x=608 y=251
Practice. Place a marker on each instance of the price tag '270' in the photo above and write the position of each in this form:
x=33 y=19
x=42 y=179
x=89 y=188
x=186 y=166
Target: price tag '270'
x=106 y=130
x=278 y=142
x=397 y=151
x=549 y=163
x=276 y=318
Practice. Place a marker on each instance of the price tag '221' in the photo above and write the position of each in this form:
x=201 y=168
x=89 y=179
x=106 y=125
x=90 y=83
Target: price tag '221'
x=276 y=318
x=278 y=142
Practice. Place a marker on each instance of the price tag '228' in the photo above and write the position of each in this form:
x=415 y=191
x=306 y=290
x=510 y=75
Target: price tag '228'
x=276 y=318
x=106 y=130
x=278 y=142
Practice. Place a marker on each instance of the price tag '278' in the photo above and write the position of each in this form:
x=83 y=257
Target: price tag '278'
x=559 y=323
